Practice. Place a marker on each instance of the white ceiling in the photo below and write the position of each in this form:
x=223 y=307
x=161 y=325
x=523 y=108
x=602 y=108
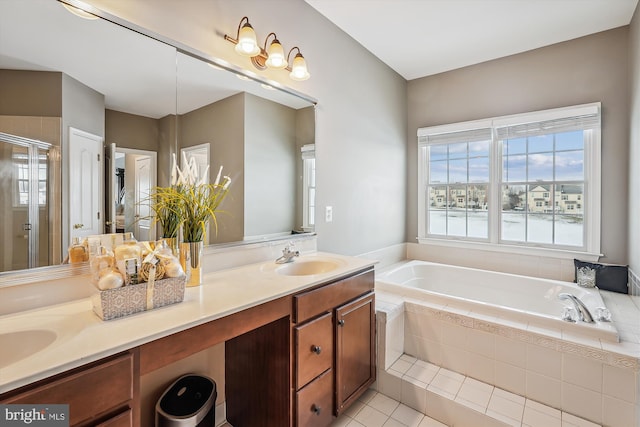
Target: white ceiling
x=418 y=38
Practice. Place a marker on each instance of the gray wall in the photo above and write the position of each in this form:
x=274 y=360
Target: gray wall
x=222 y=125
x=634 y=144
x=269 y=167
x=588 y=69
x=30 y=93
x=131 y=130
x=361 y=113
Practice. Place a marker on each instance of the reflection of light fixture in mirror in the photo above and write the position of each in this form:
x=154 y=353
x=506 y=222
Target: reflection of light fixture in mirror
x=79 y=12
x=299 y=67
x=268 y=57
x=242 y=77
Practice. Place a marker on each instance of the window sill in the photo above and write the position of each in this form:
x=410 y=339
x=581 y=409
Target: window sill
x=513 y=249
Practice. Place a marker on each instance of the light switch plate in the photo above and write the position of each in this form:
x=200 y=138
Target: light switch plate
x=328 y=213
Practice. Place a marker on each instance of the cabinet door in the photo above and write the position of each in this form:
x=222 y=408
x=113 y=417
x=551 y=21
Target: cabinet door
x=355 y=350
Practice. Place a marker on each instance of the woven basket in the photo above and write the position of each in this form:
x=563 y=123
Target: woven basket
x=120 y=302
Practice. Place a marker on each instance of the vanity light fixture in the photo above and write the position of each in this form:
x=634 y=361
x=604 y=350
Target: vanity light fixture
x=267 y=57
x=298 y=70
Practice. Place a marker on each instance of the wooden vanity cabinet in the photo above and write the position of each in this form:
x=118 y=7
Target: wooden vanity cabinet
x=103 y=393
x=334 y=348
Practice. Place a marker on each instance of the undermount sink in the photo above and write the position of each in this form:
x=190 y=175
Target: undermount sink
x=308 y=267
x=24 y=344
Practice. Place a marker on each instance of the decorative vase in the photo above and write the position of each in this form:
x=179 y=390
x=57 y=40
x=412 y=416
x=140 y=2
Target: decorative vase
x=172 y=243
x=191 y=261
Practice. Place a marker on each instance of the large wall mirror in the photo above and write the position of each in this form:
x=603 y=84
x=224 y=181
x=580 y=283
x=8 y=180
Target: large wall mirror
x=91 y=113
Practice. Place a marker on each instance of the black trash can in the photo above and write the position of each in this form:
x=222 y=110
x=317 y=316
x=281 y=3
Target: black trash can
x=188 y=402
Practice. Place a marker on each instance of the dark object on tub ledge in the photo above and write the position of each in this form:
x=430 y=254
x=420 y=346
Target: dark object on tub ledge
x=609 y=277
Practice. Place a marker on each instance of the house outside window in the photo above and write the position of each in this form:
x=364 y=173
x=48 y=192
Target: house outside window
x=522 y=177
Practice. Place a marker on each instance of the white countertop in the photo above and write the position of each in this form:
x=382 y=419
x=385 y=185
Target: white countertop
x=78 y=336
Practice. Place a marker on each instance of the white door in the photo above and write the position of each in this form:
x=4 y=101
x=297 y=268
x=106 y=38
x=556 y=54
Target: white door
x=143 y=185
x=86 y=184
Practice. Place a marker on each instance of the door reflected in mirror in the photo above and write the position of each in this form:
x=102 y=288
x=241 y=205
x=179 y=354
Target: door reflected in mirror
x=134 y=178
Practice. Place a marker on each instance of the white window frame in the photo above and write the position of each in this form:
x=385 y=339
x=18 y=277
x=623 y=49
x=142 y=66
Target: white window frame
x=592 y=185
x=308 y=155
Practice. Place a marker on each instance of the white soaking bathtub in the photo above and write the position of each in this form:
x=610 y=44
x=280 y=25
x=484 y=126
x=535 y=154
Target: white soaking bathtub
x=528 y=301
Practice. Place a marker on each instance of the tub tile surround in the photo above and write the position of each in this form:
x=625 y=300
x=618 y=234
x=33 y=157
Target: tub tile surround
x=578 y=378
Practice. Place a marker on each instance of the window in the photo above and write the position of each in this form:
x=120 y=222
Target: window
x=308 y=186
x=531 y=180
x=23 y=164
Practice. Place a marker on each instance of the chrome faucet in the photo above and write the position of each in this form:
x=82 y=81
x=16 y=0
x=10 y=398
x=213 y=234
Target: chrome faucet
x=583 y=312
x=287 y=255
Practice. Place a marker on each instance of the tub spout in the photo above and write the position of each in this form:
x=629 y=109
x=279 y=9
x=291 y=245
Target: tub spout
x=583 y=312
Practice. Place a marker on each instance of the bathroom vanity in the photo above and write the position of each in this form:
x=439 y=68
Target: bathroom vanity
x=299 y=346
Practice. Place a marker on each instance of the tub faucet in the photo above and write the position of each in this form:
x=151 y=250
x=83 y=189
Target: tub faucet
x=583 y=312
x=287 y=255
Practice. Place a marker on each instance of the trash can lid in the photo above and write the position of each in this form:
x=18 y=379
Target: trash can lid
x=188 y=395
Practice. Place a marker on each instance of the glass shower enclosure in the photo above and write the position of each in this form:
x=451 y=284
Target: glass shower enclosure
x=26 y=202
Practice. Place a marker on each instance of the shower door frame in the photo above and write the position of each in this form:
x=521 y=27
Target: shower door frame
x=33 y=147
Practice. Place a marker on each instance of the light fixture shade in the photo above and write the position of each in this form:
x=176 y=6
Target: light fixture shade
x=299 y=70
x=247 y=44
x=276 y=57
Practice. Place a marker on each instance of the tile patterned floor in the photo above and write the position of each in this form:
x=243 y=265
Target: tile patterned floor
x=374 y=409
x=510 y=408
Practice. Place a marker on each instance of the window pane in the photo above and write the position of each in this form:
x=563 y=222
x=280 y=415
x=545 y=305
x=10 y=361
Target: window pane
x=513 y=227
x=569 y=197
x=458 y=150
x=438 y=197
x=514 y=198
x=514 y=146
x=479 y=169
x=438 y=152
x=514 y=168
x=438 y=171
x=569 y=230
x=477 y=196
x=539 y=198
x=540 y=167
x=540 y=144
x=457 y=222
x=478 y=224
x=438 y=222
x=570 y=166
x=540 y=228
x=479 y=148
x=570 y=140
x=458 y=170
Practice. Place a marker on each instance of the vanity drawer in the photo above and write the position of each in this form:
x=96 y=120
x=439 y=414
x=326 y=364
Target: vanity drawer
x=323 y=299
x=314 y=403
x=90 y=391
x=314 y=348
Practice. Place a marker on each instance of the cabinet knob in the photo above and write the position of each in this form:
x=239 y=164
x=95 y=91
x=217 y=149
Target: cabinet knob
x=316 y=409
x=316 y=349
x=341 y=322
